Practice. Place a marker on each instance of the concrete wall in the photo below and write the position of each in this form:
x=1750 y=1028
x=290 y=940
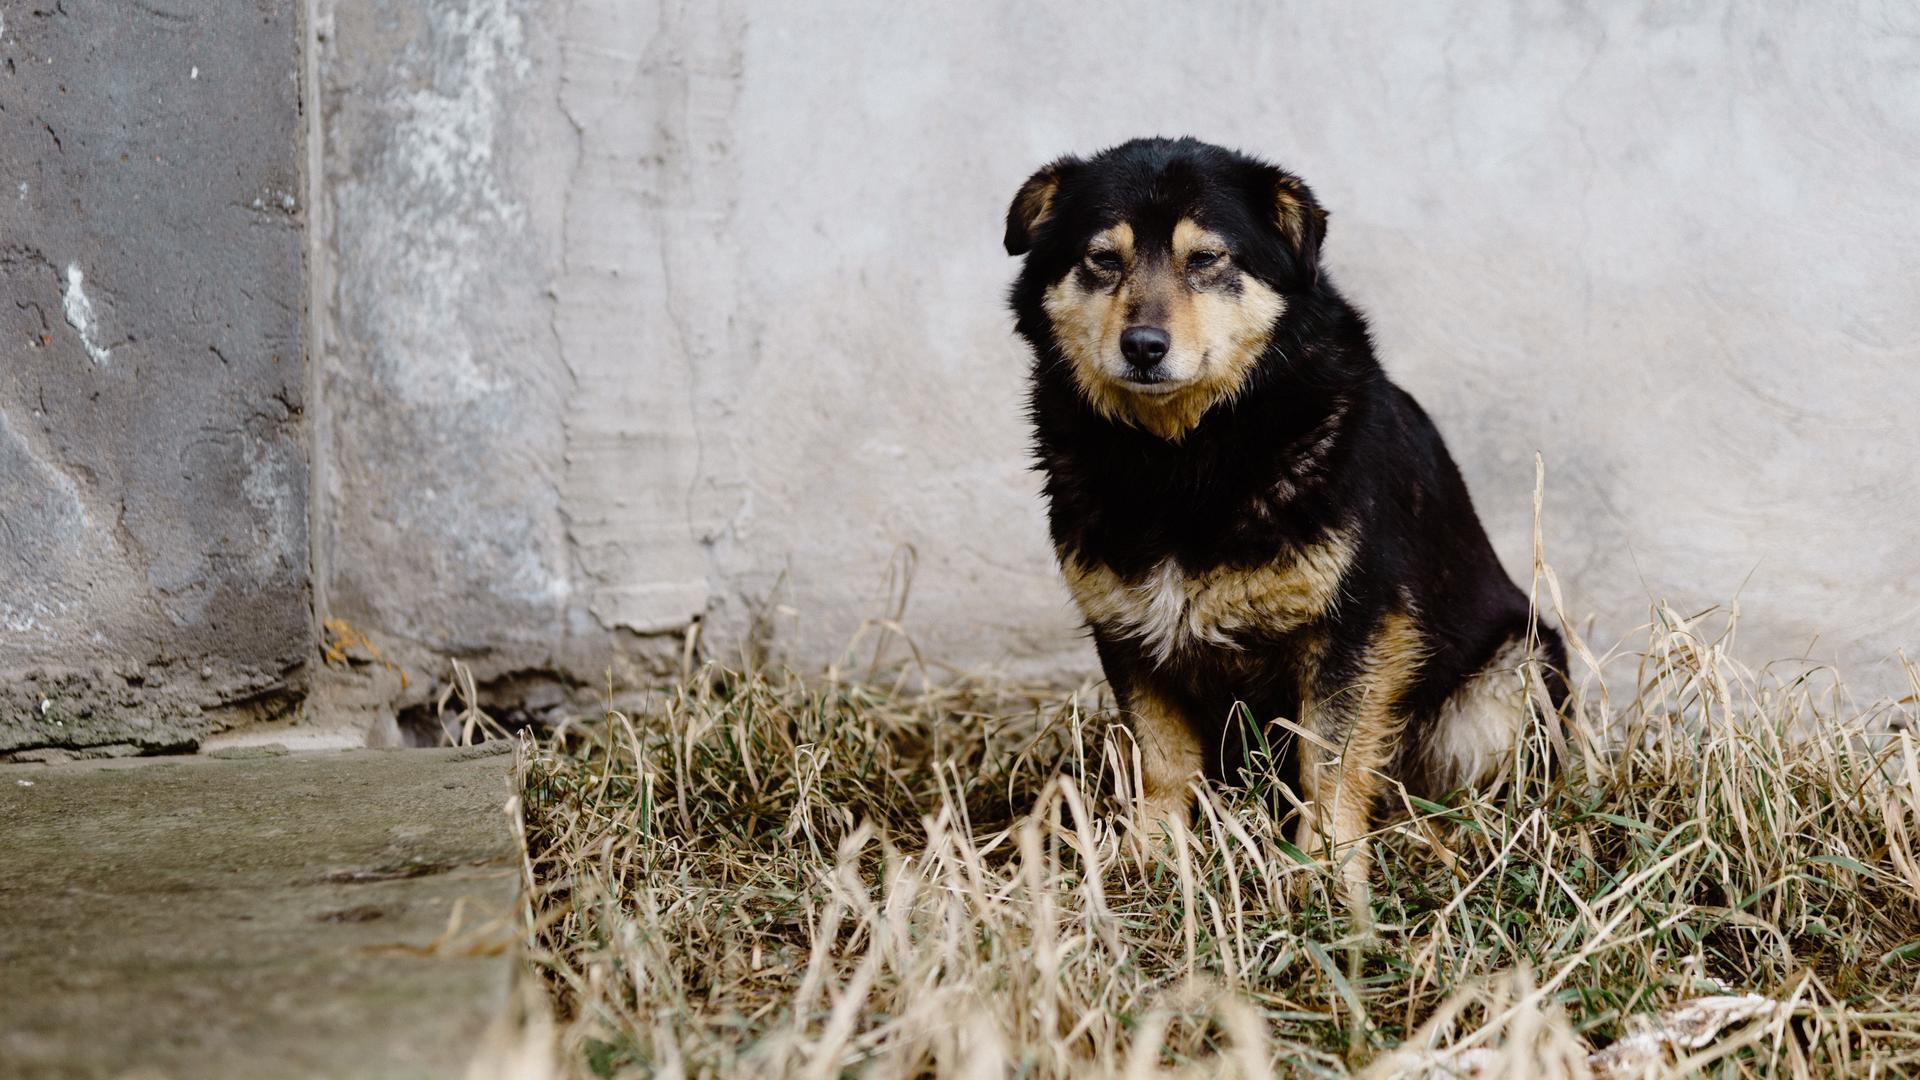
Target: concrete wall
x=153 y=475
x=655 y=312
x=643 y=312
x=631 y=315
x=440 y=424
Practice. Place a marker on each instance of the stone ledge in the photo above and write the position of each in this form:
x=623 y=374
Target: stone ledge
x=334 y=914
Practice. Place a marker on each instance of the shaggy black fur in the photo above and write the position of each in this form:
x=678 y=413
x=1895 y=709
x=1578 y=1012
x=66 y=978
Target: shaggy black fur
x=1317 y=436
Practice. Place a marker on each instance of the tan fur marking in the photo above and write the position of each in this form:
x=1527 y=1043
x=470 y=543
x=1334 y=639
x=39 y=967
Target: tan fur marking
x=1036 y=200
x=1170 y=756
x=1217 y=334
x=1118 y=239
x=1365 y=721
x=1169 y=610
x=1290 y=212
x=1189 y=237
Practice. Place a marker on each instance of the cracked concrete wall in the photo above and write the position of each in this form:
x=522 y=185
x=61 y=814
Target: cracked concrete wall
x=642 y=312
x=153 y=472
x=440 y=419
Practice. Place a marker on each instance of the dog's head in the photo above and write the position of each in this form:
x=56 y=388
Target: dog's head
x=1159 y=270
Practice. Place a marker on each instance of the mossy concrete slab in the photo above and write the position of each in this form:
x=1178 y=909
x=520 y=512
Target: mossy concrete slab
x=256 y=916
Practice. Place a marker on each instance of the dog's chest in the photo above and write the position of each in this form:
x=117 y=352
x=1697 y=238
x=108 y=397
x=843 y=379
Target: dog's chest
x=1170 y=611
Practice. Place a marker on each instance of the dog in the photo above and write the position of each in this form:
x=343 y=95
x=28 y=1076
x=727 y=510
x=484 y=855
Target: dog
x=1247 y=511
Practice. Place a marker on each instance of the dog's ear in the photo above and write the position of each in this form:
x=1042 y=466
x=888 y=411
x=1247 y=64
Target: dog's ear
x=1033 y=203
x=1300 y=220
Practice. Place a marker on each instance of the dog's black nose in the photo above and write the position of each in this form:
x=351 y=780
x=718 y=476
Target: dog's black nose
x=1144 y=346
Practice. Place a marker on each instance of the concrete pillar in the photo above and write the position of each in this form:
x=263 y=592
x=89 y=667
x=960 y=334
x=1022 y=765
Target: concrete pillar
x=153 y=469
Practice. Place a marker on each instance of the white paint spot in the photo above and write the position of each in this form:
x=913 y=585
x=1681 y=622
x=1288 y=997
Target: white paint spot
x=23 y=189
x=79 y=311
x=195 y=74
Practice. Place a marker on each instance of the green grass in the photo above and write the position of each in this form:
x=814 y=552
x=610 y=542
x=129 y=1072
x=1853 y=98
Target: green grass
x=757 y=875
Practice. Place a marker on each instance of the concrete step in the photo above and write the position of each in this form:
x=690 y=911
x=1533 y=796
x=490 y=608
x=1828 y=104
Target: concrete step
x=347 y=914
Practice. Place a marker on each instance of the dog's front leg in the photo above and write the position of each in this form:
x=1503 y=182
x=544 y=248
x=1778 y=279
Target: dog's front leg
x=1164 y=736
x=1170 y=757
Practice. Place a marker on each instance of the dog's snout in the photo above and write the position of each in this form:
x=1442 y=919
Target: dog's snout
x=1144 y=346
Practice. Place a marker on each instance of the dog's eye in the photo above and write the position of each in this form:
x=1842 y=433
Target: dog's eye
x=1200 y=260
x=1107 y=262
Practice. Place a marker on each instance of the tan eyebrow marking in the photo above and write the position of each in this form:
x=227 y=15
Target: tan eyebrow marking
x=1118 y=239
x=1189 y=237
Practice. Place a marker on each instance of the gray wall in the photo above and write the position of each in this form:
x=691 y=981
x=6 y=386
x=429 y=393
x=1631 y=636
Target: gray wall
x=626 y=315
x=647 y=311
x=153 y=475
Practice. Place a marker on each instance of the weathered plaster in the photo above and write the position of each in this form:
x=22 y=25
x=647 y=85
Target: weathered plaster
x=642 y=308
x=438 y=522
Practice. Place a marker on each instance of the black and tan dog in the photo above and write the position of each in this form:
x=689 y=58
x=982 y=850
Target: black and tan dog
x=1245 y=508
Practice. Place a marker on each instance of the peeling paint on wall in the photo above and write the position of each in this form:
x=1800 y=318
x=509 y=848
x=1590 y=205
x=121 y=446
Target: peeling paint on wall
x=438 y=203
x=441 y=529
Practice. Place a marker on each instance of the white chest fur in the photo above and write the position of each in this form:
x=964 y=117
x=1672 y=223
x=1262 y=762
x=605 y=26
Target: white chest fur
x=1169 y=610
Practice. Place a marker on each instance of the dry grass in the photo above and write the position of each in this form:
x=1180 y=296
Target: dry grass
x=762 y=877
x=756 y=875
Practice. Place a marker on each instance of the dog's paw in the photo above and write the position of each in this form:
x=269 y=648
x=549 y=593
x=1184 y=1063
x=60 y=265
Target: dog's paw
x=1155 y=826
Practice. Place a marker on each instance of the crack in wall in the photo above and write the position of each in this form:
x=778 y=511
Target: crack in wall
x=634 y=470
